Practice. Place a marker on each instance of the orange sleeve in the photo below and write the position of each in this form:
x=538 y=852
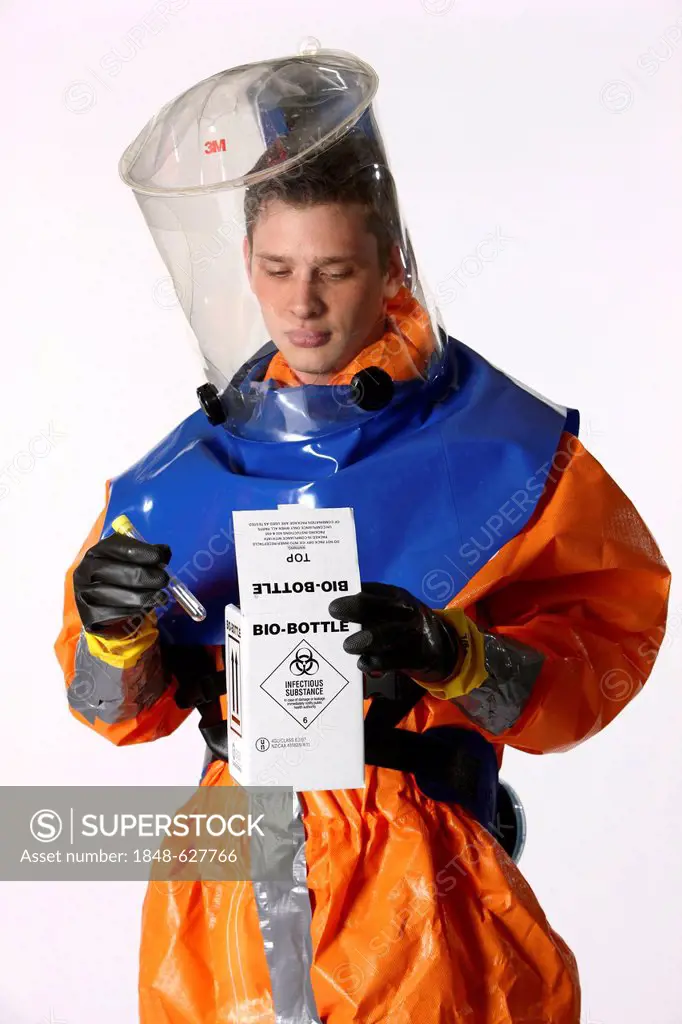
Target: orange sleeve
x=159 y=718
x=585 y=586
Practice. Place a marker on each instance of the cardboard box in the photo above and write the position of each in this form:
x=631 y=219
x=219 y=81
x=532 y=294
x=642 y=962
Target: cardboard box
x=295 y=698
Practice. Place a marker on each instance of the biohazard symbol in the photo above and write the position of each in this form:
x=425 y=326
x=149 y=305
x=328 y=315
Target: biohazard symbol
x=289 y=681
x=303 y=663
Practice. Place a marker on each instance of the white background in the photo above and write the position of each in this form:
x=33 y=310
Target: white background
x=555 y=124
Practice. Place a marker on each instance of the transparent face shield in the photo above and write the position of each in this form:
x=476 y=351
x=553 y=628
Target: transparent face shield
x=268 y=194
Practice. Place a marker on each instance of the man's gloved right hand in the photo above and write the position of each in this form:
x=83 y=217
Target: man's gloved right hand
x=118 y=582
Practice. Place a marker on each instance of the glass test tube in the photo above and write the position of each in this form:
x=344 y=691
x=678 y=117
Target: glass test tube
x=180 y=592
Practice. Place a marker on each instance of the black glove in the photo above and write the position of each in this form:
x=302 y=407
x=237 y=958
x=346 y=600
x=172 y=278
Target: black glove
x=398 y=633
x=118 y=581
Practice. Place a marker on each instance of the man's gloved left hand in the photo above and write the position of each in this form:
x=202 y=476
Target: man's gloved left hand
x=398 y=632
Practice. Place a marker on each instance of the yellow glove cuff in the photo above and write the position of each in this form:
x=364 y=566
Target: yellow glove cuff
x=471 y=670
x=124 y=652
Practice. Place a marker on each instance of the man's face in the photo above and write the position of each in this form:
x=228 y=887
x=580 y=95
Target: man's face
x=315 y=271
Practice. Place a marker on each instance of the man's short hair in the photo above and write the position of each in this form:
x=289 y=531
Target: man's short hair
x=351 y=170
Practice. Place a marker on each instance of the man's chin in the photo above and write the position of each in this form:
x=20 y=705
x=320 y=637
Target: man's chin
x=310 y=361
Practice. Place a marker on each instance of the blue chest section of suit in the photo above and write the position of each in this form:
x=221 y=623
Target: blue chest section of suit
x=436 y=491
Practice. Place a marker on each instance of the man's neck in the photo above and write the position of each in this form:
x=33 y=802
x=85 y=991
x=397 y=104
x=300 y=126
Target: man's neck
x=313 y=378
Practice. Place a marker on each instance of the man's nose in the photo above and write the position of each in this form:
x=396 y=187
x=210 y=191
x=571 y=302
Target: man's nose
x=304 y=299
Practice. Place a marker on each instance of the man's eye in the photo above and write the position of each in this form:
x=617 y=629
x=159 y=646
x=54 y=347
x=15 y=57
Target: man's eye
x=340 y=276
x=276 y=273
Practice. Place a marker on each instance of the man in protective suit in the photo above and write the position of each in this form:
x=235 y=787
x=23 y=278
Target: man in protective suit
x=513 y=594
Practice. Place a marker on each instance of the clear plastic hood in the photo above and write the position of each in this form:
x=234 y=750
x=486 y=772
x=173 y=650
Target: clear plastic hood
x=268 y=193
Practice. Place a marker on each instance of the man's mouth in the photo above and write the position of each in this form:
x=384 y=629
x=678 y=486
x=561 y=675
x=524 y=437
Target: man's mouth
x=308 y=339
